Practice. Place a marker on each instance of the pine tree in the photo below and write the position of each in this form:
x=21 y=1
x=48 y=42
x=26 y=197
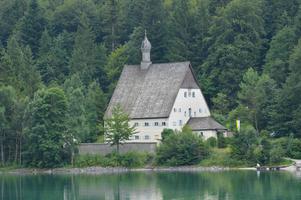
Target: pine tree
x=31 y=27
x=95 y=105
x=76 y=115
x=236 y=44
x=278 y=55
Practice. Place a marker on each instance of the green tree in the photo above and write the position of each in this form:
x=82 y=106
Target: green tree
x=53 y=59
x=76 y=115
x=277 y=57
x=117 y=128
x=286 y=113
x=46 y=131
x=182 y=148
x=235 y=40
x=95 y=105
x=85 y=58
x=31 y=27
x=257 y=95
x=19 y=69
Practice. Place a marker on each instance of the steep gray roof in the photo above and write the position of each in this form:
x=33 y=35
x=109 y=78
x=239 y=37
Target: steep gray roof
x=151 y=93
x=204 y=123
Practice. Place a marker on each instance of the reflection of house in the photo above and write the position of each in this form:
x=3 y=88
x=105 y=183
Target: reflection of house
x=158 y=96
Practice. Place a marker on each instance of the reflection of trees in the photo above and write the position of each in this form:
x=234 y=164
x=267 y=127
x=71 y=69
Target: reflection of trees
x=228 y=185
x=234 y=185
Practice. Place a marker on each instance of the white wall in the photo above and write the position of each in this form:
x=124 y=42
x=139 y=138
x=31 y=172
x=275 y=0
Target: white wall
x=206 y=134
x=182 y=104
x=153 y=131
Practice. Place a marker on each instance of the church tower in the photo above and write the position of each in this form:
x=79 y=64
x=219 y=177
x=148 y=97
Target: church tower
x=145 y=49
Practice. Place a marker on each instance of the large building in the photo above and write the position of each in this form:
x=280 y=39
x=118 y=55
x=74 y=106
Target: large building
x=159 y=96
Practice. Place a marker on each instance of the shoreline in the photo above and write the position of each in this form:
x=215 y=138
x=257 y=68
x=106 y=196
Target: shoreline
x=114 y=170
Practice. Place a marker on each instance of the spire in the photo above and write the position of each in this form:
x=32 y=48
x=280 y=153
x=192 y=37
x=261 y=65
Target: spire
x=145 y=49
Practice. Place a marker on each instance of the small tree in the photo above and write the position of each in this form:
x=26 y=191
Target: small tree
x=117 y=128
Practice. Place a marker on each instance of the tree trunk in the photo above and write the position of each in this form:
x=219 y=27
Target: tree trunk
x=117 y=148
x=20 y=150
x=2 y=152
x=16 y=150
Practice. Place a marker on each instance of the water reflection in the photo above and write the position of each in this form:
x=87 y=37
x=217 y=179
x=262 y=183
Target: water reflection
x=233 y=185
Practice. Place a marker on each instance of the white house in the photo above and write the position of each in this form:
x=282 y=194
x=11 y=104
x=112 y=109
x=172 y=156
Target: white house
x=159 y=96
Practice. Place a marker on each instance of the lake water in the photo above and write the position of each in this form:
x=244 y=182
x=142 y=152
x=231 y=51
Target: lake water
x=230 y=185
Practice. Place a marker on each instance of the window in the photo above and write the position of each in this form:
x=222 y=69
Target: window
x=185 y=113
x=136 y=137
x=193 y=94
x=185 y=94
x=136 y=124
x=174 y=123
x=180 y=123
x=194 y=114
x=156 y=123
x=175 y=110
x=163 y=123
x=189 y=94
x=201 y=134
x=200 y=110
x=179 y=109
x=146 y=137
x=146 y=124
x=189 y=111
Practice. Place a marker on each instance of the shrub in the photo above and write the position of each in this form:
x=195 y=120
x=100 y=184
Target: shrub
x=276 y=154
x=221 y=141
x=166 y=133
x=212 y=142
x=184 y=148
x=243 y=145
x=129 y=159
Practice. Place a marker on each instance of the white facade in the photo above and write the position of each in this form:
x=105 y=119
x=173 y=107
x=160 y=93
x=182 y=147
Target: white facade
x=188 y=103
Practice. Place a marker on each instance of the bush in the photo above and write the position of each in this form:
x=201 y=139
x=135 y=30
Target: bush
x=129 y=159
x=276 y=154
x=221 y=140
x=166 y=133
x=212 y=142
x=290 y=146
x=184 y=148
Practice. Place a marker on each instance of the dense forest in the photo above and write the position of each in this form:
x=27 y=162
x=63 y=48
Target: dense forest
x=60 y=60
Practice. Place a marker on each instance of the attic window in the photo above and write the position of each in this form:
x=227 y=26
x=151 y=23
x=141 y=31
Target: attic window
x=185 y=94
x=193 y=94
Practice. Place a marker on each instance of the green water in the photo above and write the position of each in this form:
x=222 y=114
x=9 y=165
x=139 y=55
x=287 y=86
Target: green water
x=240 y=185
